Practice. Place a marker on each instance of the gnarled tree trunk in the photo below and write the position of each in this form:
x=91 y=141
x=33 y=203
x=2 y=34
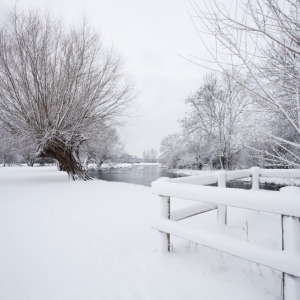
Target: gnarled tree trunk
x=66 y=159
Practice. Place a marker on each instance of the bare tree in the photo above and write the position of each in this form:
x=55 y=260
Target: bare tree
x=171 y=149
x=8 y=148
x=150 y=155
x=102 y=147
x=146 y=154
x=153 y=154
x=214 y=121
x=261 y=39
x=58 y=85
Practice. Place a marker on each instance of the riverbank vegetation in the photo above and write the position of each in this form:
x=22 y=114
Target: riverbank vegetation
x=247 y=111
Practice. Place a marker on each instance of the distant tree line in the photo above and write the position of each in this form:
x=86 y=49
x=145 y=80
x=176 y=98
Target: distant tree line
x=150 y=155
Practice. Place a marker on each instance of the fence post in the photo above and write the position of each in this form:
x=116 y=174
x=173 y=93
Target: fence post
x=255 y=178
x=290 y=243
x=164 y=238
x=222 y=209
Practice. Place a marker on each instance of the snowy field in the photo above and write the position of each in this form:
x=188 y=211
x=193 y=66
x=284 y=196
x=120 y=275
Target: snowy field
x=93 y=240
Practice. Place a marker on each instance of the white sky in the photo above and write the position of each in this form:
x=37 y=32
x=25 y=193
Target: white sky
x=149 y=34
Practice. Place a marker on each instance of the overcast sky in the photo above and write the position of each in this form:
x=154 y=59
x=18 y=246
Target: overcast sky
x=150 y=35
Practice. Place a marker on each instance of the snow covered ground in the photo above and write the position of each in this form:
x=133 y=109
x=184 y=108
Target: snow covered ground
x=93 y=240
x=190 y=172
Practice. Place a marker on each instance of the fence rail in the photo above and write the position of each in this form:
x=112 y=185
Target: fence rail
x=191 y=188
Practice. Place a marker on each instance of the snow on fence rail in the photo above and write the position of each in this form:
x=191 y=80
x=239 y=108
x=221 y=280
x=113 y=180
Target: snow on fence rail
x=192 y=188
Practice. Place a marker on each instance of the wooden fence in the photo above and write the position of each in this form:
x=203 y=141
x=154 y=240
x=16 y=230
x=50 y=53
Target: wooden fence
x=286 y=261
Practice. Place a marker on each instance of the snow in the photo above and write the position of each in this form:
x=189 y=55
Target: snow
x=222 y=215
x=280 y=260
x=93 y=240
x=285 y=173
x=292 y=190
x=183 y=213
x=205 y=178
x=263 y=179
x=291 y=229
x=191 y=172
x=259 y=200
x=199 y=179
x=164 y=207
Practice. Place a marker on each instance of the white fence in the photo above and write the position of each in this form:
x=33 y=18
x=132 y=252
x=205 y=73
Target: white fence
x=192 y=188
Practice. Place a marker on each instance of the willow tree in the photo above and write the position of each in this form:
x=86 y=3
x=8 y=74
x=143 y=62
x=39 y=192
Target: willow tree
x=58 y=85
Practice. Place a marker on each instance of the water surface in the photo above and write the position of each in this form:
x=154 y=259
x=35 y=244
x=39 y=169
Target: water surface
x=144 y=175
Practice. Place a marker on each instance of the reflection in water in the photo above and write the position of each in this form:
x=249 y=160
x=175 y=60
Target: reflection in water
x=144 y=175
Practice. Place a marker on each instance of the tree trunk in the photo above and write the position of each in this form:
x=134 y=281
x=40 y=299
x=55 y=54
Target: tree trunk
x=60 y=166
x=66 y=160
x=31 y=162
x=222 y=162
x=29 y=159
x=99 y=164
